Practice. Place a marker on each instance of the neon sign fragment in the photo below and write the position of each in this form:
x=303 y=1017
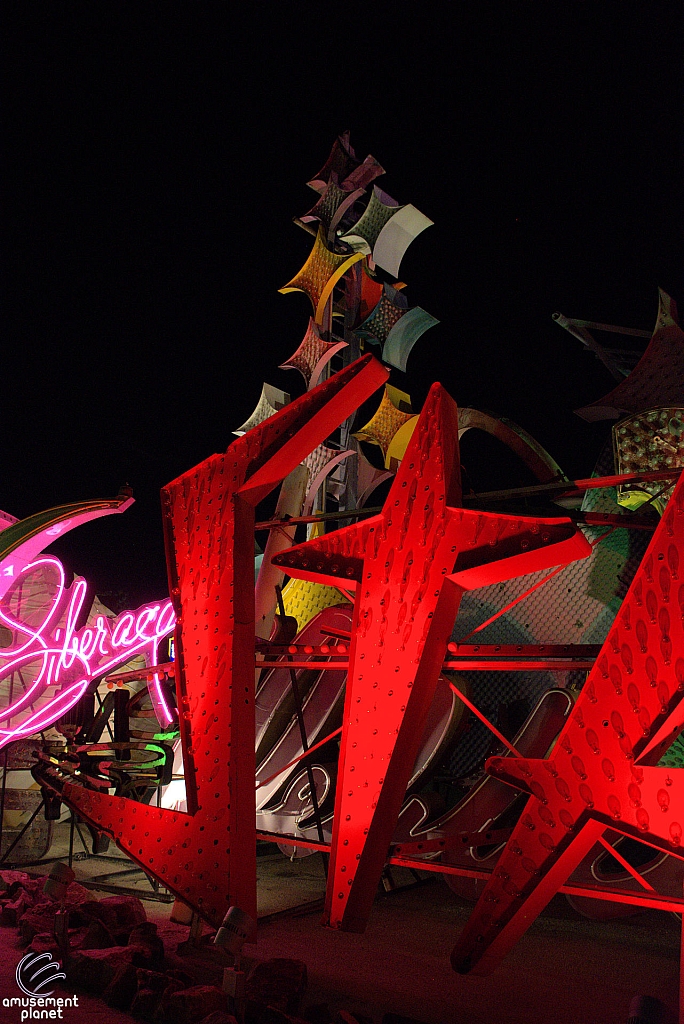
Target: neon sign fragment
x=68 y=658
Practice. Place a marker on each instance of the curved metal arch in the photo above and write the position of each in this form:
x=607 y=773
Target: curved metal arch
x=515 y=437
x=24 y=539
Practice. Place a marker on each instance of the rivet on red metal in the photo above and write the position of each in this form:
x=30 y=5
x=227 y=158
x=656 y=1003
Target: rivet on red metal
x=409 y=566
x=207 y=857
x=603 y=770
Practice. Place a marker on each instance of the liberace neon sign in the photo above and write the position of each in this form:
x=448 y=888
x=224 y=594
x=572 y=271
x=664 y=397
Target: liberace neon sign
x=67 y=658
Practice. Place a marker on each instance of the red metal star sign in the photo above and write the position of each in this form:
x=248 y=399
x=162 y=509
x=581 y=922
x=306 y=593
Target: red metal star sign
x=207 y=857
x=602 y=771
x=410 y=566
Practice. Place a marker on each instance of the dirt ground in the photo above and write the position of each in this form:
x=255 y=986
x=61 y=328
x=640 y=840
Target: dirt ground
x=566 y=969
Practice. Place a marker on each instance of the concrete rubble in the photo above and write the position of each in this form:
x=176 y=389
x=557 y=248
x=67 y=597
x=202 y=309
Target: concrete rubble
x=116 y=953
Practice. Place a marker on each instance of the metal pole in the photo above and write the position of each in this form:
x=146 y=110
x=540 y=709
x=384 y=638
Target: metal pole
x=681 y=975
x=71 y=838
x=83 y=842
x=23 y=831
x=2 y=799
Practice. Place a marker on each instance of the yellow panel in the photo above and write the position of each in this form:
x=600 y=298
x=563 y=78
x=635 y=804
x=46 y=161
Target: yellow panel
x=304 y=599
x=387 y=419
x=399 y=443
x=320 y=274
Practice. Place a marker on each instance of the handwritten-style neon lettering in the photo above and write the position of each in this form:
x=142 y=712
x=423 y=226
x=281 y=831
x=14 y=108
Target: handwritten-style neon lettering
x=69 y=658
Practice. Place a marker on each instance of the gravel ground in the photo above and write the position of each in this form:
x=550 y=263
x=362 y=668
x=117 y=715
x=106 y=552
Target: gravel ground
x=566 y=969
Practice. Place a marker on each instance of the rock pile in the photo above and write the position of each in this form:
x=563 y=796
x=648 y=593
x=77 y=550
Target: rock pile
x=116 y=954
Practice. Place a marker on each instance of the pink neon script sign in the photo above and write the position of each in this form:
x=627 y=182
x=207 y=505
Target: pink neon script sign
x=68 y=659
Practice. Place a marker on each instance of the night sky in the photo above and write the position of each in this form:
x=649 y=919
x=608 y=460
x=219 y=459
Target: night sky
x=155 y=154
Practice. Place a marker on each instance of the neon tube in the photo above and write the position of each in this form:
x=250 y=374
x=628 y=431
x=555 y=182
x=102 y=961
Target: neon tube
x=63 y=651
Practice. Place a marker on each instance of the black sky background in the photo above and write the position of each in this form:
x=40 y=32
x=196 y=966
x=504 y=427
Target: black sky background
x=155 y=154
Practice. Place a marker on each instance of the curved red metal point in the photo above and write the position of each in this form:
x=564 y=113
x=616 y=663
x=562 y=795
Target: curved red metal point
x=603 y=769
x=207 y=857
x=410 y=566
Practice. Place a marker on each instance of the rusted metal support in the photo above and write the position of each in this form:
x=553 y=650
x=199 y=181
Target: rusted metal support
x=571 y=487
x=167 y=669
x=554 y=489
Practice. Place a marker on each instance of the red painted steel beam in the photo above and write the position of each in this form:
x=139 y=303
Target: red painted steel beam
x=320 y=666
x=207 y=857
x=631 y=899
x=166 y=669
x=300 y=757
x=525 y=650
x=457 y=664
x=596 y=892
x=554 y=488
x=615 y=853
x=503 y=665
x=498 y=663
x=278 y=650
x=458 y=649
x=485 y=721
x=457 y=840
x=306 y=844
x=442 y=869
x=568 y=488
x=603 y=769
x=409 y=566
x=622 y=521
x=616 y=479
